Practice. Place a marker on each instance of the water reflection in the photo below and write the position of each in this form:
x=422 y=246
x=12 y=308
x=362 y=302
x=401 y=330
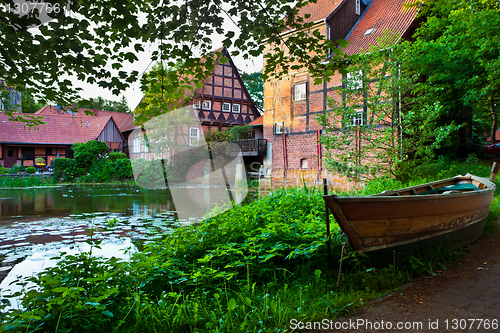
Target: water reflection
x=26 y=204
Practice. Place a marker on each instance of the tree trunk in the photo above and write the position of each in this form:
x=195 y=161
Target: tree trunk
x=494 y=123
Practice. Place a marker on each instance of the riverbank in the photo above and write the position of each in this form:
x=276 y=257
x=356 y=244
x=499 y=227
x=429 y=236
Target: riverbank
x=255 y=267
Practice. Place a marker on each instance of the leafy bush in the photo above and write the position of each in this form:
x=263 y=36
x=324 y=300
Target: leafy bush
x=30 y=170
x=88 y=153
x=101 y=171
x=218 y=136
x=123 y=169
x=67 y=169
x=16 y=168
x=241 y=132
x=113 y=156
x=3 y=170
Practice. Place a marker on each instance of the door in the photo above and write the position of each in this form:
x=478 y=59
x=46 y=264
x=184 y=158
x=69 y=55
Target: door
x=9 y=156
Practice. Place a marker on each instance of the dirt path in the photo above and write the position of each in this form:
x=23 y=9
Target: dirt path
x=463 y=299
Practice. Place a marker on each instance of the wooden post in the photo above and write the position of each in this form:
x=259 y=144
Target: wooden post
x=494 y=171
x=327 y=217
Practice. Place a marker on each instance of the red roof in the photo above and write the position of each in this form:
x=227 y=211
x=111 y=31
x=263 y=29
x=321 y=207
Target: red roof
x=63 y=129
x=257 y=122
x=95 y=126
x=319 y=10
x=381 y=16
x=58 y=130
x=122 y=120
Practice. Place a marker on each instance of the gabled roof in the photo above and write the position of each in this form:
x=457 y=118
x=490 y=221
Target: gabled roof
x=257 y=122
x=381 y=15
x=95 y=126
x=319 y=10
x=59 y=129
x=122 y=120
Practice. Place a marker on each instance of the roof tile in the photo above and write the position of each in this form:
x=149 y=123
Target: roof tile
x=390 y=16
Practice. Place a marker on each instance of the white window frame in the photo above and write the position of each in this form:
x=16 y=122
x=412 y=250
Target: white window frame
x=358 y=7
x=355 y=79
x=279 y=127
x=194 y=139
x=236 y=108
x=137 y=144
x=206 y=105
x=300 y=91
x=228 y=107
x=358 y=118
x=197 y=104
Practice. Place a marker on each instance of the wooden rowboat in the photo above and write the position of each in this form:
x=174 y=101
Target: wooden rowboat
x=390 y=225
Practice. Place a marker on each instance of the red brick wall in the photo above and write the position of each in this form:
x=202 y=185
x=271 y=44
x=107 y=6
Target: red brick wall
x=300 y=128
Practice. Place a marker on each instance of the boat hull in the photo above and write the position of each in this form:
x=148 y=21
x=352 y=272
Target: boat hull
x=393 y=226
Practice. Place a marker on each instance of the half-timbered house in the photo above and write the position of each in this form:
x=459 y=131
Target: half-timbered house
x=20 y=144
x=221 y=103
x=292 y=102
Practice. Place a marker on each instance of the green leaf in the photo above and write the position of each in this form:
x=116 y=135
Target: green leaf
x=108 y=313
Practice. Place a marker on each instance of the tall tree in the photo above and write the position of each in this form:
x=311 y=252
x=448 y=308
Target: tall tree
x=255 y=87
x=104 y=104
x=457 y=52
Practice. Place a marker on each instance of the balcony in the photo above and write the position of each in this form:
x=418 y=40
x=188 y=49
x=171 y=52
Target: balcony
x=251 y=147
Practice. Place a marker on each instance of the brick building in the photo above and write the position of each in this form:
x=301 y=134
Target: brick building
x=292 y=102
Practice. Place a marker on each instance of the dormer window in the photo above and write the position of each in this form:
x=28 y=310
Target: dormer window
x=369 y=31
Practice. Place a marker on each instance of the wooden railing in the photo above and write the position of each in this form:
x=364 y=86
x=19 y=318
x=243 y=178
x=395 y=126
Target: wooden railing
x=251 y=147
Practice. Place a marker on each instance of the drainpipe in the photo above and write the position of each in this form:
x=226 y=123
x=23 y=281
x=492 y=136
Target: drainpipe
x=285 y=160
x=319 y=153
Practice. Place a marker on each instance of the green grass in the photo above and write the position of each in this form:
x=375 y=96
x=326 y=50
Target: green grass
x=251 y=269
x=26 y=181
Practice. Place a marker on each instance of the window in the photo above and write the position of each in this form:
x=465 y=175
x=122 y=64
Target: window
x=358 y=7
x=28 y=153
x=137 y=145
x=226 y=107
x=354 y=80
x=196 y=104
x=194 y=136
x=236 y=108
x=10 y=153
x=369 y=31
x=207 y=105
x=279 y=127
x=48 y=150
x=357 y=119
x=299 y=92
x=304 y=164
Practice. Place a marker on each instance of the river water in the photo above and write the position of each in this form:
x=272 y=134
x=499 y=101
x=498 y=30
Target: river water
x=37 y=223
